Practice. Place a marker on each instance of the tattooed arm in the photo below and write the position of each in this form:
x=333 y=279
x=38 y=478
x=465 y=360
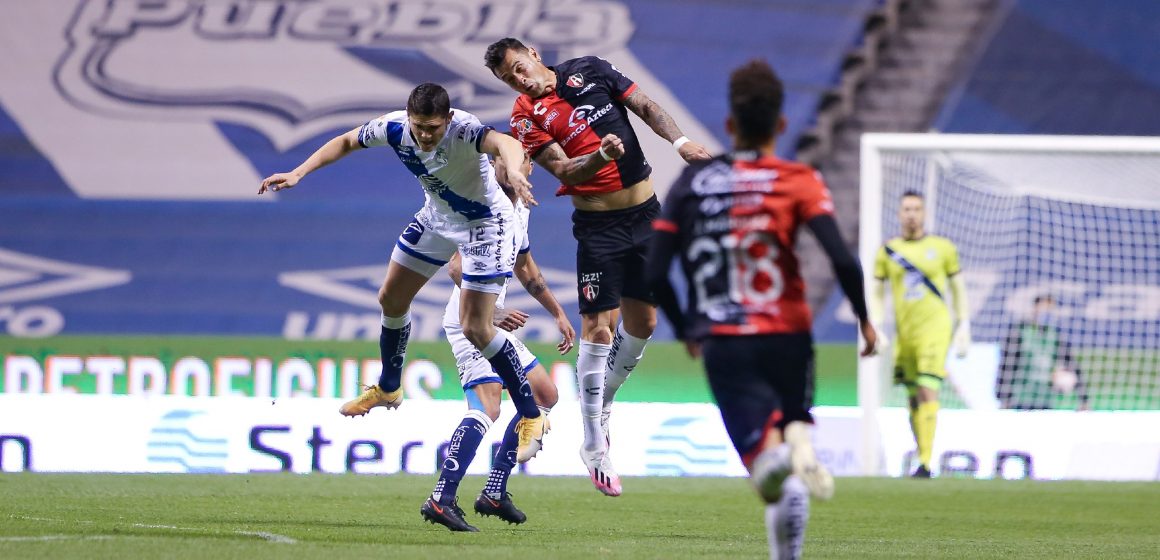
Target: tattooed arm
x=663 y=125
x=573 y=171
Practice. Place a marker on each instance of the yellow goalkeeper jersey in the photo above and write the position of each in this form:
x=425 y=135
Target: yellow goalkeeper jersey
x=918 y=270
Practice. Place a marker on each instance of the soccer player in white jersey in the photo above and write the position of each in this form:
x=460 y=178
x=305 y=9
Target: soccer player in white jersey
x=466 y=211
x=483 y=389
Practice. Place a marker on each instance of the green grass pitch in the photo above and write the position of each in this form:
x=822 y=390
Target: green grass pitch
x=353 y=517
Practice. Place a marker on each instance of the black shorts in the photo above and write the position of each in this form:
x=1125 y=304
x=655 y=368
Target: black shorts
x=760 y=382
x=611 y=248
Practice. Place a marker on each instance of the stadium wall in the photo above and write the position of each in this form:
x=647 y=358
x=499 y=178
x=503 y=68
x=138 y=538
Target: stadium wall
x=243 y=435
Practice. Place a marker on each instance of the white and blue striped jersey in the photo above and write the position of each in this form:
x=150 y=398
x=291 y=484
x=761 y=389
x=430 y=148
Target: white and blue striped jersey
x=457 y=179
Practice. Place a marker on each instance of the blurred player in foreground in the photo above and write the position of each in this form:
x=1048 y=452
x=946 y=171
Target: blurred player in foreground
x=733 y=222
x=919 y=268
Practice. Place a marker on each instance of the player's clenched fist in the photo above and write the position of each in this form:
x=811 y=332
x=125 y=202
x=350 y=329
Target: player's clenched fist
x=692 y=151
x=612 y=146
x=278 y=181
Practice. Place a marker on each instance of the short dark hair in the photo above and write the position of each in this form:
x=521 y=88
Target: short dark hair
x=755 y=98
x=428 y=99
x=497 y=51
x=912 y=193
x=1044 y=298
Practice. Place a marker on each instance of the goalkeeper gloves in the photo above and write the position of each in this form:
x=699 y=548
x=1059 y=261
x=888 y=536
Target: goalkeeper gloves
x=962 y=339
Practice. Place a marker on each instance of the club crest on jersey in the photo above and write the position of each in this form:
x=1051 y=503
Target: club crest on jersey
x=575 y=80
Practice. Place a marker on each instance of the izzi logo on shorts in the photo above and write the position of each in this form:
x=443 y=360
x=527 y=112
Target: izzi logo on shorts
x=590 y=285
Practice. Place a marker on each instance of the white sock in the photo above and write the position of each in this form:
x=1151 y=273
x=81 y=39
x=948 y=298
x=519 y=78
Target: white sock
x=590 y=375
x=785 y=521
x=627 y=350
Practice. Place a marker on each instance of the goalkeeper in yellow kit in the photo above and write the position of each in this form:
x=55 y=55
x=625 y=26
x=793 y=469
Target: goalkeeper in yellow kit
x=920 y=268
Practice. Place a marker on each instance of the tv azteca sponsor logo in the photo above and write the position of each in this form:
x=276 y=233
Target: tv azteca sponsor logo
x=25 y=278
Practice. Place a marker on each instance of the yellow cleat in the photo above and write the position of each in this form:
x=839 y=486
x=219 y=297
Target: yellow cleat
x=531 y=431
x=372 y=396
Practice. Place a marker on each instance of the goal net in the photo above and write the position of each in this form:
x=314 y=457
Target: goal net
x=1059 y=242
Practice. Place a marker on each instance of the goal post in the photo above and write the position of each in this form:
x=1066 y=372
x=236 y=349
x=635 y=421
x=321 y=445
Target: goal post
x=1072 y=218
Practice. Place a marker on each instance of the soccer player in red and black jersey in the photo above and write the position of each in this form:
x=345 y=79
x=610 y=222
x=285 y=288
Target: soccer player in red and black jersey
x=573 y=120
x=733 y=221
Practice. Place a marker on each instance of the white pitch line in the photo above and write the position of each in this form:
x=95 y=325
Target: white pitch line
x=272 y=537
x=264 y=535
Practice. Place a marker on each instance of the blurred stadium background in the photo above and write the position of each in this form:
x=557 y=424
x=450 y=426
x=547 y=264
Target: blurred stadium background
x=137 y=261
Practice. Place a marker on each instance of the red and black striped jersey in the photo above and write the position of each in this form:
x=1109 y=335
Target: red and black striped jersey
x=587 y=104
x=736 y=218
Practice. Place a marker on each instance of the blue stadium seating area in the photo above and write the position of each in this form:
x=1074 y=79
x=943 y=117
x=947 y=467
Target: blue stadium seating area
x=210 y=264
x=804 y=40
x=1065 y=67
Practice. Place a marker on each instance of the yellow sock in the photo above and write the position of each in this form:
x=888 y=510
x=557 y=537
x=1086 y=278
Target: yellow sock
x=924 y=420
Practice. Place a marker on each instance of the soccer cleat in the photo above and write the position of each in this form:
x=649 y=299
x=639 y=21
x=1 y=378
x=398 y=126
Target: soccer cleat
x=805 y=462
x=921 y=472
x=600 y=471
x=450 y=515
x=770 y=469
x=531 y=432
x=372 y=396
x=502 y=508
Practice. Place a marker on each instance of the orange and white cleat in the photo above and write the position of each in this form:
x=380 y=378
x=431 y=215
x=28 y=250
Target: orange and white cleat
x=531 y=432
x=371 y=397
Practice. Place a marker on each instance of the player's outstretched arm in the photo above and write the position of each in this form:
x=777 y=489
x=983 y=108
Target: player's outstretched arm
x=849 y=274
x=330 y=152
x=509 y=153
x=664 y=126
x=528 y=273
x=573 y=171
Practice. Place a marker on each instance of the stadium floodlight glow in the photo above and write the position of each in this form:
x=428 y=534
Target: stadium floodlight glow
x=1073 y=217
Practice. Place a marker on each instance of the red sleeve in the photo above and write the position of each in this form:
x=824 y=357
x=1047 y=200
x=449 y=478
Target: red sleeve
x=527 y=131
x=813 y=197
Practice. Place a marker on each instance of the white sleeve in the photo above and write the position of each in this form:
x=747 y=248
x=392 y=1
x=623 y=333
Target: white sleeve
x=471 y=131
x=374 y=133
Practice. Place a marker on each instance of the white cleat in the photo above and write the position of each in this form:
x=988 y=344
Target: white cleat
x=603 y=477
x=805 y=462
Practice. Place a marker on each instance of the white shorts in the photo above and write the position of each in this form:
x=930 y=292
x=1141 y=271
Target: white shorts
x=474 y=369
x=487 y=246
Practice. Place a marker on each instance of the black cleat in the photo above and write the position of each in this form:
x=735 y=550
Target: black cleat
x=502 y=508
x=921 y=472
x=450 y=516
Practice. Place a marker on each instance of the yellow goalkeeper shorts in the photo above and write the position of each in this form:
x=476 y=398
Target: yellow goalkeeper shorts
x=922 y=360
